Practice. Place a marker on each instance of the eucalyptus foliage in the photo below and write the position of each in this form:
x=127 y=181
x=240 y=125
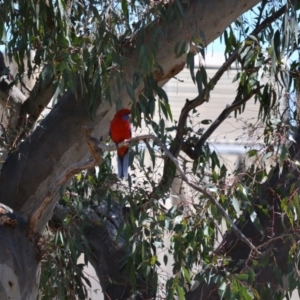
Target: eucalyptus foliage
x=193 y=236
x=80 y=46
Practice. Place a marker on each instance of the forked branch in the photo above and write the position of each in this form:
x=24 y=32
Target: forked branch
x=204 y=191
x=239 y=101
x=65 y=177
x=200 y=99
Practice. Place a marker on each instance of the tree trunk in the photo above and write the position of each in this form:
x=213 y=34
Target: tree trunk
x=59 y=142
x=19 y=259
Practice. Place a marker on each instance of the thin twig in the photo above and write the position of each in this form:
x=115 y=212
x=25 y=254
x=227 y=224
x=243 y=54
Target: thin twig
x=262 y=7
x=200 y=99
x=194 y=154
x=237 y=232
x=275 y=239
x=23 y=84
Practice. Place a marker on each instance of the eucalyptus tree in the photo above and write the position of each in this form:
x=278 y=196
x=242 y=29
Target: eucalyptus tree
x=93 y=57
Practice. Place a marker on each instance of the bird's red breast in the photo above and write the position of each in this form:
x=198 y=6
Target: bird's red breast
x=120 y=129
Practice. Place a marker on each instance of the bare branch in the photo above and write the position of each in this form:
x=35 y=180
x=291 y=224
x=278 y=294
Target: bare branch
x=23 y=84
x=11 y=92
x=204 y=191
x=194 y=154
x=199 y=100
x=71 y=114
x=8 y=90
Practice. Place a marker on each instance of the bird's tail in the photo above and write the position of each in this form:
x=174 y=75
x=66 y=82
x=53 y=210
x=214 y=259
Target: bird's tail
x=123 y=165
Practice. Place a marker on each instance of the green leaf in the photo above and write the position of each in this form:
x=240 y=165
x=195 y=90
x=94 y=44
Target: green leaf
x=179 y=7
x=222 y=289
x=130 y=91
x=236 y=77
x=186 y=274
x=165 y=107
x=276 y=44
x=61 y=237
x=47 y=75
x=162 y=128
x=206 y=122
x=191 y=63
x=2 y=29
x=252 y=152
x=125 y=8
x=152 y=154
x=199 y=82
x=215 y=160
x=278 y=275
x=132 y=277
x=87 y=281
x=215 y=176
x=169 y=112
x=180 y=48
x=180 y=292
x=151 y=106
x=162 y=94
x=241 y=276
x=256 y=222
x=165 y=259
x=252 y=37
x=249 y=57
x=251 y=276
x=153 y=260
x=204 y=76
x=236 y=205
x=283 y=153
x=273 y=65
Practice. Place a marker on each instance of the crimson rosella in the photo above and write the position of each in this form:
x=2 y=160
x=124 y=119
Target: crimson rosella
x=119 y=131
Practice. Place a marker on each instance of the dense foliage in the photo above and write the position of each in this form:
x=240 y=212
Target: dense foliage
x=81 y=46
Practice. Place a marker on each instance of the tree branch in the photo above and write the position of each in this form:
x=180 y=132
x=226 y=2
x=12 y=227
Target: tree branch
x=40 y=96
x=276 y=244
x=238 y=233
x=49 y=200
x=200 y=99
x=58 y=142
x=177 y=144
x=196 y=152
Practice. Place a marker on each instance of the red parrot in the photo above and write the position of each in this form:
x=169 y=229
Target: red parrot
x=119 y=131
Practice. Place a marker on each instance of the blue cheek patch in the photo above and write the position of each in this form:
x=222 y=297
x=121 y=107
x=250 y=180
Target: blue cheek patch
x=125 y=117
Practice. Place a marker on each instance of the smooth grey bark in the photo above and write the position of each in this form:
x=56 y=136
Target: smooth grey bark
x=19 y=263
x=59 y=141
